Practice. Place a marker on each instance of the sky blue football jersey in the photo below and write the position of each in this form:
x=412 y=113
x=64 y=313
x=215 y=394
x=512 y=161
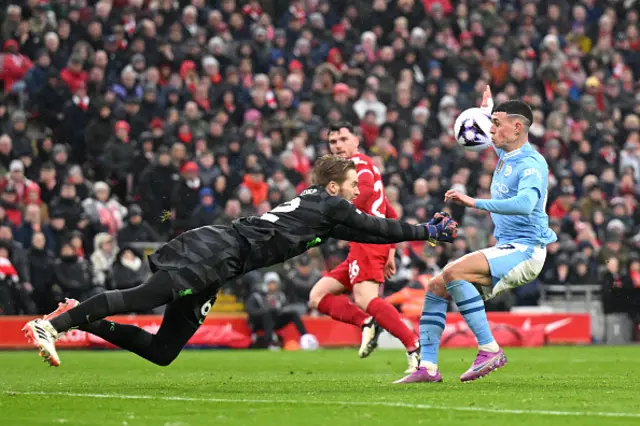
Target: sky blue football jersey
x=518 y=170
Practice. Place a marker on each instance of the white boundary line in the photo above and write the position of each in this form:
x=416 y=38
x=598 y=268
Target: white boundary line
x=337 y=403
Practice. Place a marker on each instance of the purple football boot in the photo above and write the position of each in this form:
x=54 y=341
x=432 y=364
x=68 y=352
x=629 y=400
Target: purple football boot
x=484 y=364
x=420 y=375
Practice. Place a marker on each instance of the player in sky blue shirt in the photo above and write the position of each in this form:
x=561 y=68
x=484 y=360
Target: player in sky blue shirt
x=519 y=197
x=517 y=206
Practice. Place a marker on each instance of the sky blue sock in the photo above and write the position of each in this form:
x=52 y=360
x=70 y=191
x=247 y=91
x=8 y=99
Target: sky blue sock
x=432 y=322
x=471 y=307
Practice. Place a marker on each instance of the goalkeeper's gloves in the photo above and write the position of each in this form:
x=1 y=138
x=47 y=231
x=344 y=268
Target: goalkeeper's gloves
x=442 y=228
x=438 y=217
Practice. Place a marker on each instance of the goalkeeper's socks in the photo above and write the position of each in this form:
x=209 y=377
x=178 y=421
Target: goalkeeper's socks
x=471 y=308
x=389 y=318
x=92 y=309
x=340 y=308
x=156 y=291
x=432 y=323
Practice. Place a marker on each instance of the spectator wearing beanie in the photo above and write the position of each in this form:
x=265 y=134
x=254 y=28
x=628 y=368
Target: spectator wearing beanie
x=73 y=75
x=118 y=158
x=136 y=229
x=186 y=196
x=73 y=274
x=105 y=210
x=207 y=211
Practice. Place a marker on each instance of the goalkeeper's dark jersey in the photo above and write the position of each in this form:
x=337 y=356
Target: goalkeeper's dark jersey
x=218 y=253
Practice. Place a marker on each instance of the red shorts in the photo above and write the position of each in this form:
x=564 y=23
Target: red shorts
x=364 y=263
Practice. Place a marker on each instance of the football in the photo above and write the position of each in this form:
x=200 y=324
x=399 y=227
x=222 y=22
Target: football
x=471 y=129
x=308 y=342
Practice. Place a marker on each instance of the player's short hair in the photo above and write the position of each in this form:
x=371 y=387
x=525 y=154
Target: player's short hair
x=337 y=125
x=330 y=168
x=516 y=108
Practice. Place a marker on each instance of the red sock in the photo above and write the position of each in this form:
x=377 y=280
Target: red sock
x=341 y=309
x=389 y=319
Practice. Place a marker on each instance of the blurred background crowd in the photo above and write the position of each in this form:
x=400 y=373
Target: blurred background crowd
x=126 y=122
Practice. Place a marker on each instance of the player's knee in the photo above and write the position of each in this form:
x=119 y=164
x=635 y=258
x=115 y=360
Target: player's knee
x=451 y=273
x=362 y=301
x=164 y=358
x=364 y=293
x=437 y=286
x=314 y=299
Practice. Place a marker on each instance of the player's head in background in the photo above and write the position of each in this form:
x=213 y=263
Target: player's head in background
x=510 y=124
x=342 y=139
x=336 y=174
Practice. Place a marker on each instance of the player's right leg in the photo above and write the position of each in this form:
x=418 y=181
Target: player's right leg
x=326 y=296
x=156 y=291
x=366 y=296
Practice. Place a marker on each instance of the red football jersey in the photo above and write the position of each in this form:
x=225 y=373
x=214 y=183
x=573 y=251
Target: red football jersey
x=372 y=199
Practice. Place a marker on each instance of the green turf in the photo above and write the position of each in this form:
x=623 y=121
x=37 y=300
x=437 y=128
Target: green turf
x=330 y=387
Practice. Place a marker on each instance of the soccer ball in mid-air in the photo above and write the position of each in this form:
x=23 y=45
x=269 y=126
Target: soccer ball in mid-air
x=471 y=129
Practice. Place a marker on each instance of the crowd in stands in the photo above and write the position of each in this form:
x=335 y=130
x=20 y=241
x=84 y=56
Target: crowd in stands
x=130 y=121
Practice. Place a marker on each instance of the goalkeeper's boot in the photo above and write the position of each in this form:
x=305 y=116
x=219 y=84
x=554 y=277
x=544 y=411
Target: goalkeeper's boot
x=485 y=363
x=63 y=307
x=420 y=375
x=370 y=334
x=413 y=358
x=43 y=336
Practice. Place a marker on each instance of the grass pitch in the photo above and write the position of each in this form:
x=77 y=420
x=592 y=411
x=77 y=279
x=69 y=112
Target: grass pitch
x=547 y=386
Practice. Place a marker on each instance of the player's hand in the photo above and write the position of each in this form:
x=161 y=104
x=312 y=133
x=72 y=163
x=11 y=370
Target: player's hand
x=487 y=100
x=437 y=218
x=459 y=198
x=445 y=231
x=390 y=266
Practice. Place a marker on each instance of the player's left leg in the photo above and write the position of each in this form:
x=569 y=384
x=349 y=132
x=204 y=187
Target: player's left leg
x=156 y=291
x=181 y=320
x=326 y=296
x=366 y=296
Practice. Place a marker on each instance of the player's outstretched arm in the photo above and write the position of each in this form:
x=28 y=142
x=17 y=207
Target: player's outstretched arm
x=345 y=233
x=522 y=204
x=391 y=231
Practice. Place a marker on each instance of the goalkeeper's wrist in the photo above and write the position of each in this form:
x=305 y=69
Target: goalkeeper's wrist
x=433 y=231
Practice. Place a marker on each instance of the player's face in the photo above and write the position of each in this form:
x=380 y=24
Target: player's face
x=349 y=188
x=343 y=143
x=503 y=129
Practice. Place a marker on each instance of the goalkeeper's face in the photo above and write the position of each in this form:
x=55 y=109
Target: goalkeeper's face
x=348 y=188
